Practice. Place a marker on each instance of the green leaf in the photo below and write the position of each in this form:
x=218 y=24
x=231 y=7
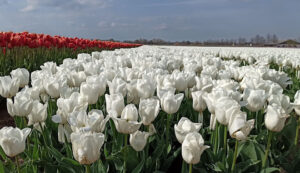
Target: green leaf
x=1 y=167
x=139 y=167
x=269 y=170
x=70 y=161
x=3 y=155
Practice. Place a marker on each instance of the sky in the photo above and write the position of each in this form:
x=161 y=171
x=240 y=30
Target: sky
x=172 y=20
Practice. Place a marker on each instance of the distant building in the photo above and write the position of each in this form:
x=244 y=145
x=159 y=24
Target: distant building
x=289 y=43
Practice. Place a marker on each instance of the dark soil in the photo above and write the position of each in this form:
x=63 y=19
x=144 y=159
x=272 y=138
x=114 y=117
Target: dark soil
x=5 y=118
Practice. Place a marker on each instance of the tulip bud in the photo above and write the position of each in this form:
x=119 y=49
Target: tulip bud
x=199 y=104
x=148 y=110
x=9 y=86
x=138 y=140
x=275 y=118
x=12 y=140
x=255 y=98
x=86 y=146
x=38 y=113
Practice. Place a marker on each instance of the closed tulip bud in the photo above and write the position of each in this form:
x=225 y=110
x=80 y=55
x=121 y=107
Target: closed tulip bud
x=9 y=86
x=53 y=86
x=117 y=85
x=199 y=104
x=275 y=118
x=12 y=140
x=38 y=113
x=184 y=127
x=89 y=92
x=114 y=102
x=181 y=82
x=130 y=113
x=22 y=74
x=192 y=148
x=148 y=110
x=86 y=146
x=225 y=105
x=138 y=140
x=170 y=103
x=256 y=99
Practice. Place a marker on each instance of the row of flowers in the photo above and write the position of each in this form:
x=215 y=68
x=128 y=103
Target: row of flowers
x=32 y=40
x=166 y=99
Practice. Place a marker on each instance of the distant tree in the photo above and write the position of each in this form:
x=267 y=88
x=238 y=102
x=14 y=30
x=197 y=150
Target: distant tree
x=242 y=41
x=274 y=38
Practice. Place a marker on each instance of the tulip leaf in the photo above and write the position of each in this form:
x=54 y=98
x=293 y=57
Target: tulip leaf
x=1 y=167
x=170 y=160
x=139 y=167
x=70 y=161
x=3 y=155
x=269 y=170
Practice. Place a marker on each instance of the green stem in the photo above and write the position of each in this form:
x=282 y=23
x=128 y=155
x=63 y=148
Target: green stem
x=235 y=155
x=169 y=116
x=125 y=140
x=270 y=135
x=87 y=169
x=190 y=168
x=297 y=132
x=125 y=153
x=216 y=138
x=17 y=163
x=225 y=139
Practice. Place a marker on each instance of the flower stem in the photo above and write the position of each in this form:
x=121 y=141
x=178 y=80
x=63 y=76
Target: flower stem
x=190 y=168
x=235 y=155
x=270 y=135
x=169 y=116
x=225 y=140
x=17 y=163
x=125 y=152
x=216 y=138
x=297 y=132
x=87 y=169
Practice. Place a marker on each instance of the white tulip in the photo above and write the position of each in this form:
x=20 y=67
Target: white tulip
x=22 y=74
x=127 y=124
x=38 y=113
x=223 y=109
x=50 y=67
x=86 y=146
x=117 y=85
x=138 y=140
x=199 y=104
x=93 y=121
x=239 y=127
x=275 y=118
x=296 y=103
x=148 y=110
x=145 y=87
x=12 y=140
x=192 y=148
x=114 y=102
x=256 y=99
x=21 y=106
x=170 y=103
x=281 y=100
x=184 y=127
x=9 y=86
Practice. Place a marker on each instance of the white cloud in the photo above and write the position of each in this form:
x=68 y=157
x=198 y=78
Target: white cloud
x=64 y=4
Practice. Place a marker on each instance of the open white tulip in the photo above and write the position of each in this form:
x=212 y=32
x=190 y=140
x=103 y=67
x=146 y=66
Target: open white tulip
x=22 y=74
x=86 y=146
x=275 y=118
x=128 y=123
x=76 y=78
x=138 y=140
x=114 y=102
x=93 y=121
x=282 y=100
x=117 y=85
x=145 y=87
x=148 y=110
x=38 y=113
x=192 y=148
x=239 y=127
x=255 y=98
x=184 y=127
x=9 y=86
x=223 y=109
x=170 y=103
x=21 y=106
x=12 y=140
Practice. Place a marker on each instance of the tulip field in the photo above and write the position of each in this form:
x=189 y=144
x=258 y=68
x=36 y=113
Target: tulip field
x=151 y=109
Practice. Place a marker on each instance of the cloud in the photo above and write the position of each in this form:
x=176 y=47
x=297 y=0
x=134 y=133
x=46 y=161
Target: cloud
x=32 y=5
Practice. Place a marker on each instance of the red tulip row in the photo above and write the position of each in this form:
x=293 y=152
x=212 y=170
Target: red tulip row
x=33 y=40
